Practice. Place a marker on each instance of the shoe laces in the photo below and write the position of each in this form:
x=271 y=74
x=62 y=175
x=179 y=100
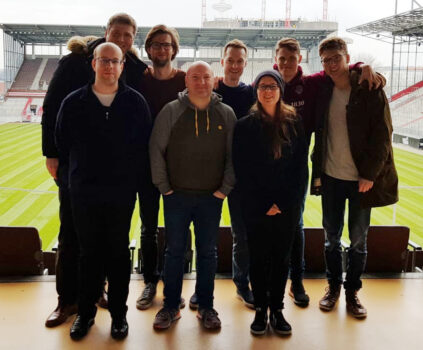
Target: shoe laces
x=148 y=290
x=209 y=313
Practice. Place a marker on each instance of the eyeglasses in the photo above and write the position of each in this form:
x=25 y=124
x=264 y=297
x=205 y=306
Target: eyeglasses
x=106 y=61
x=157 y=46
x=271 y=87
x=334 y=59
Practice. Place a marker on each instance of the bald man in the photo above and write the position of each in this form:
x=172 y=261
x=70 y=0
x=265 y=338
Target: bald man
x=102 y=134
x=190 y=153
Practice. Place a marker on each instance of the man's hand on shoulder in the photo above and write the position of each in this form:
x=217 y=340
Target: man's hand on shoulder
x=52 y=165
x=374 y=79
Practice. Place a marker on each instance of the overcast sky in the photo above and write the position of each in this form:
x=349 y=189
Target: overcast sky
x=187 y=13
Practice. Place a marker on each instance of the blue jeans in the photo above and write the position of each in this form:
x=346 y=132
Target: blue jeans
x=334 y=194
x=180 y=209
x=240 y=254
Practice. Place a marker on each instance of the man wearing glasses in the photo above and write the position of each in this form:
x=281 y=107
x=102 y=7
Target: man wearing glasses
x=73 y=72
x=159 y=87
x=102 y=133
x=352 y=160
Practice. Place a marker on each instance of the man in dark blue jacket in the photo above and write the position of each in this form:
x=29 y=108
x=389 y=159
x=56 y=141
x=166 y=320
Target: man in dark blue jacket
x=102 y=135
x=73 y=72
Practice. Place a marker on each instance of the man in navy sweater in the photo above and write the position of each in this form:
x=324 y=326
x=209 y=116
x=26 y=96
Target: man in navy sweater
x=102 y=135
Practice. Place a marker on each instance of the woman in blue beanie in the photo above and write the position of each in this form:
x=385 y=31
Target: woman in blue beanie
x=270 y=159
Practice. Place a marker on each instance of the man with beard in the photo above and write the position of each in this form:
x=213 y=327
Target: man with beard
x=159 y=86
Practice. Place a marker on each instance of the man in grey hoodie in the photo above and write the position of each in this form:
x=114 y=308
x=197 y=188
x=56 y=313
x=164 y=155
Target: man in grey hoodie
x=190 y=153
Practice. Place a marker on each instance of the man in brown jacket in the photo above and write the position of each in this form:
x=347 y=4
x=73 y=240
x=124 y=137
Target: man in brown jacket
x=352 y=160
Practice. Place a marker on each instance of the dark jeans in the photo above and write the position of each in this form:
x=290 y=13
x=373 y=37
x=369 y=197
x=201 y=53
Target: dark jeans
x=270 y=241
x=67 y=252
x=297 y=264
x=103 y=235
x=180 y=210
x=334 y=194
x=149 y=203
x=240 y=255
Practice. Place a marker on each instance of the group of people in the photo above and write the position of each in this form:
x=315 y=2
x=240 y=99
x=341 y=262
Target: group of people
x=114 y=129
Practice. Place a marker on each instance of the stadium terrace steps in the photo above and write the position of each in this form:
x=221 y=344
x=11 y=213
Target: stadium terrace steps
x=26 y=74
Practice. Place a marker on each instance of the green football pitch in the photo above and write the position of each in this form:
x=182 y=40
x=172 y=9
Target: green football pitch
x=28 y=195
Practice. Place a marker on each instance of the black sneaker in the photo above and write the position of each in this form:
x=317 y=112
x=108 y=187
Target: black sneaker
x=246 y=296
x=209 y=318
x=146 y=298
x=119 y=329
x=298 y=294
x=259 y=325
x=165 y=317
x=279 y=324
x=193 y=302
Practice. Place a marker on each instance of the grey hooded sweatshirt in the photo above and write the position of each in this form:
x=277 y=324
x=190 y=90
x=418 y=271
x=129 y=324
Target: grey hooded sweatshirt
x=191 y=149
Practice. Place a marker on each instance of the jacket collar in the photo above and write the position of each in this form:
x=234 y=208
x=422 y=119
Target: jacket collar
x=87 y=91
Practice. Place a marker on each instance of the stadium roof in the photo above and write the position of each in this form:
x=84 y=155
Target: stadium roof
x=408 y=24
x=43 y=34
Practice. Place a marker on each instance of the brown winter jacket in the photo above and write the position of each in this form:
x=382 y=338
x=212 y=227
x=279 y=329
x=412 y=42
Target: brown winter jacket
x=370 y=132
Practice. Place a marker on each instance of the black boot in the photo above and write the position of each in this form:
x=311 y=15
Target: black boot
x=259 y=325
x=119 y=329
x=278 y=323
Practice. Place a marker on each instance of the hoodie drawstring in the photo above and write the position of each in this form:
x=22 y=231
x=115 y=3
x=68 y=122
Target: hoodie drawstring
x=196 y=122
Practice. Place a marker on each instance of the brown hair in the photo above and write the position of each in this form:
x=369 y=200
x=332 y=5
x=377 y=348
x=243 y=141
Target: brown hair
x=122 y=18
x=162 y=29
x=277 y=128
x=288 y=43
x=235 y=43
x=333 y=43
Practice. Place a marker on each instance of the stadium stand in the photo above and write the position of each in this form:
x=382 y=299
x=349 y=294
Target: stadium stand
x=49 y=69
x=407 y=115
x=26 y=74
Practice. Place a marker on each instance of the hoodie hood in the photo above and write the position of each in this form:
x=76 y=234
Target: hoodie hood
x=184 y=99
x=85 y=45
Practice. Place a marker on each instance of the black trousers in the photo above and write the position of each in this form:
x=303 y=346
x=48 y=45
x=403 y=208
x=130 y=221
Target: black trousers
x=149 y=203
x=270 y=240
x=103 y=234
x=67 y=253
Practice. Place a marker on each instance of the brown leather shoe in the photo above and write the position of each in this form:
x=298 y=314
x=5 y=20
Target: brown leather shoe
x=103 y=302
x=61 y=314
x=328 y=302
x=354 y=306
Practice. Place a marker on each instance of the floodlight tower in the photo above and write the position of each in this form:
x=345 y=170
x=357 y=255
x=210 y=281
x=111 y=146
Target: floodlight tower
x=287 y=13
x=325 y=10
x=203 y=12
x=263 y=12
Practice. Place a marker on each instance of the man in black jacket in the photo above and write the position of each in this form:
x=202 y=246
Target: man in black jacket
x=73 y=72
x=102 y=134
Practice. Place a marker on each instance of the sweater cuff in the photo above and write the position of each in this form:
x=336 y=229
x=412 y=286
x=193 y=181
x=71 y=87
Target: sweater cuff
x=164 y=188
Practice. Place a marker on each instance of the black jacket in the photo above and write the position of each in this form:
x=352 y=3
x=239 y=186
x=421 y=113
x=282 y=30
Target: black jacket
x=73 y=72
x=262 y=180
x=369 y=127
x=105 y=148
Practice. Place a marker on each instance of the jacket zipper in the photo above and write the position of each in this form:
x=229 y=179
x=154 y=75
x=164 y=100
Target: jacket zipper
x=107 y=115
